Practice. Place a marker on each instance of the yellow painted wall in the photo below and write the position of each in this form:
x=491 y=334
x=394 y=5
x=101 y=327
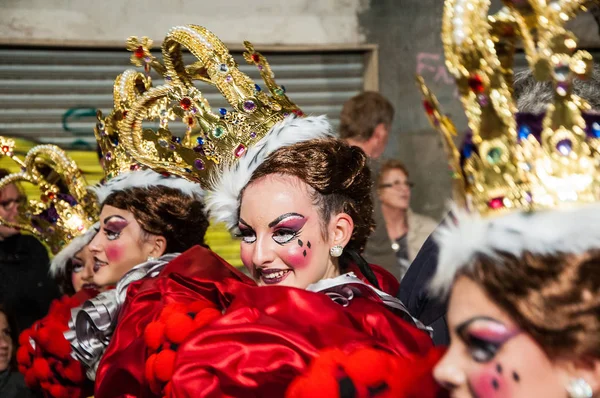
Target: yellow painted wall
x=217 y=237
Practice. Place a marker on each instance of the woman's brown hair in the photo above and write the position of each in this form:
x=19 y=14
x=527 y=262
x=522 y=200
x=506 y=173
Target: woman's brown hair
x=165 y=211
x=553 y=298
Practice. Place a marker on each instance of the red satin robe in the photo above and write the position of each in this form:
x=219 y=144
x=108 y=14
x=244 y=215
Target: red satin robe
x=266 y=337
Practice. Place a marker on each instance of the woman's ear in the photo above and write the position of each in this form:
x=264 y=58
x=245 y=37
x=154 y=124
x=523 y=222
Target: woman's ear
x=158 y=245
x=341 y=227
x=587 y=370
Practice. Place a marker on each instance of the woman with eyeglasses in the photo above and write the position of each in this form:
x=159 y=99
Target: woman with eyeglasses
x=406 y=229
x=25 y=286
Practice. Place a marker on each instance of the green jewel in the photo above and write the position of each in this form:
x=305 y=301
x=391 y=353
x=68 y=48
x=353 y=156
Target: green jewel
x=494 y=155
x=218 y=132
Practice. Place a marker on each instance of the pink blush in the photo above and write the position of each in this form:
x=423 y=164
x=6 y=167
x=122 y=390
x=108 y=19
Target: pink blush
x=114 y=253
x=489 y=383
x=295 y=257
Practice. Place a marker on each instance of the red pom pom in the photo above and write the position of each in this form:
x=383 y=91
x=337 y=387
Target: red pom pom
x=164 y=365
x=41 y=369
x=74 y=372
x=43 y=337
x=206 y=316
x=30 y=378
x=171 y=309
x=58 y=391
x=149 y=372
x=380 y=363
x=178 y=327
x=57 y=345
x=23 y=357
x=154 y=335
x=198 y=306
x=24 y=337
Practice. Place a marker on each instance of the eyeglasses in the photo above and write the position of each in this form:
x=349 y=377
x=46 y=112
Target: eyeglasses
x=9 y=204
x=396 y=183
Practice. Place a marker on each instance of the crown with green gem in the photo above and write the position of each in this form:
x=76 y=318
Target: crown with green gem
x=224 y=136
x=513 y=161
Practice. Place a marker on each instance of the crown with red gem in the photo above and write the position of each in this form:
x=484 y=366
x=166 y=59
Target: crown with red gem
x=512 y=161
x=64 y=208
x=224 y=135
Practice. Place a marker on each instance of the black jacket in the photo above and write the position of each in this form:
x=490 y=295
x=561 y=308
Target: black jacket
x=415 y=295
x=25 y=286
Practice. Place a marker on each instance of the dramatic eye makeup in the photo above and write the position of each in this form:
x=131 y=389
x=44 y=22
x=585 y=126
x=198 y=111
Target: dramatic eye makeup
x=287 y=227
x=247 y=234
x=77 y=264
x=113 y=226
x=484 y=336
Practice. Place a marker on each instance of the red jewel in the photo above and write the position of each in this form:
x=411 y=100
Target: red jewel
x=476 y=84
x=496 y=203
x=428 y=107
x=185 y=103
x=5 y=149
x=298 y=112
x=139 y=52
x=50 y=195
x=190 y=121
x=134 y=167
x=240 y=150
x=255 y=58
x=165 y=174
x=44 y=198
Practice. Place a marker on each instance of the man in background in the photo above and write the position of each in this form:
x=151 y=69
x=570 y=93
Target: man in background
x=365 y=122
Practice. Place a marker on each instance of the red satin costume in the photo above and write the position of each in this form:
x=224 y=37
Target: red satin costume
x=266 y=337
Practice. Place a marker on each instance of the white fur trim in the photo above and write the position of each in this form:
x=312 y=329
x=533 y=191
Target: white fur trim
x=144 y=179
x=223 y=198
x=59 y=262
x=544 y=232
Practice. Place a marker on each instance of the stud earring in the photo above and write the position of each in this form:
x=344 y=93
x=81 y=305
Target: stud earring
x=336 y=250
x=579 y=388
x=150 y=258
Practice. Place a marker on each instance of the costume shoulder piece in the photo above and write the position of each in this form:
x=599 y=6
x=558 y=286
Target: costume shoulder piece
x=63 y=211
x=517 y=176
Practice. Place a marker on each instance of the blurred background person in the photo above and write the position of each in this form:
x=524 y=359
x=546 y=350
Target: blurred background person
x=365 y=121
x=26 y=289
x=12 y=384
x=406 y=230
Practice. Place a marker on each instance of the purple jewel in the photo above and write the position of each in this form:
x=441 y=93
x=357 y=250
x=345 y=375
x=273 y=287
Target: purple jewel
x=249 y=106
x=528 y=197
x=564 y=147
x=253 y=134
x=260 y=67
x=67 y=198
x=108 y=156
x=199 y=149
x=483 y=100
x=228 y=78
x=199 y=164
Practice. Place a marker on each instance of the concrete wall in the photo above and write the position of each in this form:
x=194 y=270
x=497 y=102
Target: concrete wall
x=262 y=21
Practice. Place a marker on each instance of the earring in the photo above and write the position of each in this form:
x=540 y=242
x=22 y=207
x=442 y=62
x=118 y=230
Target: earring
x=336 y=250
x=150 y=258
x=579 y=388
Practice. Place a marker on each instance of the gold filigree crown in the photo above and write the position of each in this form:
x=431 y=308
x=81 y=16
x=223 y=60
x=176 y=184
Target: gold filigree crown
x=515 y=161
x=64 y=208
x=224 y=136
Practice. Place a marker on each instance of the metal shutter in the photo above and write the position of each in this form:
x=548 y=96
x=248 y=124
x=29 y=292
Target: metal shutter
x=50 y=95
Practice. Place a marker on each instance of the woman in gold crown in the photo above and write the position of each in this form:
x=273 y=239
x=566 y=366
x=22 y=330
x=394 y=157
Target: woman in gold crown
x=216 y=332
x=520 y=261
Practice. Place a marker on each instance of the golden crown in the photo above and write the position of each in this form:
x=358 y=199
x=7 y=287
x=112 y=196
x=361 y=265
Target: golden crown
x=128 y=87
x=64 y=208
x=224 y=136
x=517 y=161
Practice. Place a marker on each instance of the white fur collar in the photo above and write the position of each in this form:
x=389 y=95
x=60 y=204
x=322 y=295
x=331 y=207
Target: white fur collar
x=573 y=230
x=59 y=262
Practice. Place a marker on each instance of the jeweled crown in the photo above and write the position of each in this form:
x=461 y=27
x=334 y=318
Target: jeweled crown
x=224 y=136
x=64 y=208
x=513 y=161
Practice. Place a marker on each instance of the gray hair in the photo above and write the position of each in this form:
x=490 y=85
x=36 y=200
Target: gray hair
x=533 y=96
